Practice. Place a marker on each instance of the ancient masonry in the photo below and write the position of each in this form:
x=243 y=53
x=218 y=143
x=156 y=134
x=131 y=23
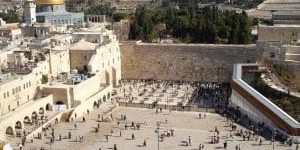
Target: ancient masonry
x=187 y=62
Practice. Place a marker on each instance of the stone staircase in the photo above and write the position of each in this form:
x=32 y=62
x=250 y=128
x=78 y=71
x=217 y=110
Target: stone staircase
x=66 y=115
x=292 y=56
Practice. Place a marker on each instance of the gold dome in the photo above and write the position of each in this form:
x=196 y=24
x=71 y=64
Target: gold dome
x=50 y=2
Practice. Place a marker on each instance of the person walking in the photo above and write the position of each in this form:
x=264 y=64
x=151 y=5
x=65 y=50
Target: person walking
x=144 y=143
x=106 y=137
x=225 y=144
x=132 y=136
x=70 y=135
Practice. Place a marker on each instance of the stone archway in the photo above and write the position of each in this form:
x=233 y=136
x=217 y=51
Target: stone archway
x=41 y=111
x=104 y=98
x=9 y=130
x=27 y=120
x=34 y=115
x=95 y=105
x=49 y=107
x=18 y=125
x=59 y=103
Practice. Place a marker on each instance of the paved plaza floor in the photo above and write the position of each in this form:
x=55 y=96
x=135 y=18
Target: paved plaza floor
x=185 y=124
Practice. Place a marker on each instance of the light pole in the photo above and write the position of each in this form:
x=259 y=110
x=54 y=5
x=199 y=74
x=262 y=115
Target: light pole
x=158 y=125
x=273 y=139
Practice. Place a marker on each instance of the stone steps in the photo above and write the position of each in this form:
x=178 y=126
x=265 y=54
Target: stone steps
x=292 y=56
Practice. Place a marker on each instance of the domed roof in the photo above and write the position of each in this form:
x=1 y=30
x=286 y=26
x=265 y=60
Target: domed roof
x=50 y=2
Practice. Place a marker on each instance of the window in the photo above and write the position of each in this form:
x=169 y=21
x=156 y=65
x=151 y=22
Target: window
x=7 y=93
x=13 y=91
x=24 y=86
x=29 y=83
x=19 y=88
x=4 y=95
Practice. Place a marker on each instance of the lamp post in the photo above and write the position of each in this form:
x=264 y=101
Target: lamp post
x=158 y=125
x=273 y=139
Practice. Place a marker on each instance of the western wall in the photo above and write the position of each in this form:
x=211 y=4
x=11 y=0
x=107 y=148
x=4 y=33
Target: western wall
x=187 y=62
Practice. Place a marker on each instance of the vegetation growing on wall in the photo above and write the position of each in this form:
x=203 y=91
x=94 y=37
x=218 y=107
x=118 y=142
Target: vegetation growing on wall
x=44 y=79
x=288 y=103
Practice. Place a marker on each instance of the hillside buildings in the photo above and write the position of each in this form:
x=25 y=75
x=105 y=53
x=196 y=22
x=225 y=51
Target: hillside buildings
x=50 y=72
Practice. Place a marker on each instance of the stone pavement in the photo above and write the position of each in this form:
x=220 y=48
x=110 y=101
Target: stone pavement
x=185 y=124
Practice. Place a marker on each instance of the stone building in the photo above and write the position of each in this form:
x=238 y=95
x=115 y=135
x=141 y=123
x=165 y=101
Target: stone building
x=56 y=77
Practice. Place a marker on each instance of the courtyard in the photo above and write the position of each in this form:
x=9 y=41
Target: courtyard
x=112 y=131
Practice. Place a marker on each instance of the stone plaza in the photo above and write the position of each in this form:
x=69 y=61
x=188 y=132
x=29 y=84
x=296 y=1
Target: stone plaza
x=184 y=124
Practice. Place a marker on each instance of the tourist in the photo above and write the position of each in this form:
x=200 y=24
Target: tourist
x=145 y=121
x=115 y=146
x=120 y=133
x=83 y=119
x=75 y=126
x=132 y=136
x=225 y=144
x=172 y=132
x=111 y=116
x=144 y=143
x=106 y=137
x=260 y=141
x=70 y=135
x=190 y=141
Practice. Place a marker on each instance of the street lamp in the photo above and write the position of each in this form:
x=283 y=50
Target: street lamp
x=273 y=139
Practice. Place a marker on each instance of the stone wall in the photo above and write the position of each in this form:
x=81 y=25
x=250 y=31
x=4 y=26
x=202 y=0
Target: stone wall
x=188 y=62
x=284 y=33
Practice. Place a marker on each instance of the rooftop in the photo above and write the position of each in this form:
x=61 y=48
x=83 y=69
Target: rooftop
x=83 y=45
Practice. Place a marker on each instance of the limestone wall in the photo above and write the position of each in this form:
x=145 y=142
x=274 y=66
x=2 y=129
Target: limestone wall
x=188 y=62
x=283 y=33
